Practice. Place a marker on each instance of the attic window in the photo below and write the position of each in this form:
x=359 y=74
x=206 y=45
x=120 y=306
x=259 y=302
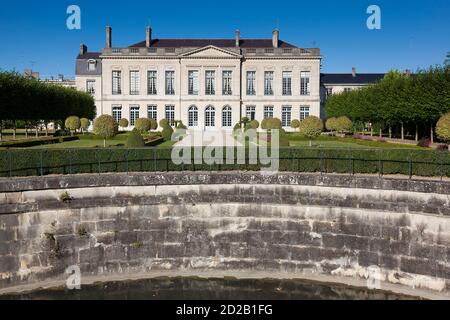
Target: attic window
x=92 y=65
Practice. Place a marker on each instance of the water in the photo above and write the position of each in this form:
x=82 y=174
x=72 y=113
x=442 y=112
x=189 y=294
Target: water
x=209 y=289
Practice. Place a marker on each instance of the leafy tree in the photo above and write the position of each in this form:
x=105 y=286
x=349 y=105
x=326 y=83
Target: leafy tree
x=443 y=128
x=344 y=124
x=331 y=124
x=105 y=127
x=143 y=125
x=295 y=124
x=254 y=124
x=163 y=123
x=167 y=133
x=73 y=123
x=135 y=139
x=123 y=123
x=84 y=123
x=153 y=124
x=311 y=127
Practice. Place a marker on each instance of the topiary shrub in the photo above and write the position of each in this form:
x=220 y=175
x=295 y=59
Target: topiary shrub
x=254 y=124
x=331 y=124
x=105 y=127
x=237 y=129
x=84 y=124
x=295 y=124
x=344 y=124
x=311 y=127
x=143 y=125
x=284 y=139
x=264 y=123
x=163 y=123
x=153 y=124
x=181 y=126
x=73 y=123
x=135 y=139
x=443 y=128
x=167 y=132
x=123 y=123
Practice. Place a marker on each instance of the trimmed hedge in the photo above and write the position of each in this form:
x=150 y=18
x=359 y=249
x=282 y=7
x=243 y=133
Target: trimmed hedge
x=36 y=142
x=30 y=162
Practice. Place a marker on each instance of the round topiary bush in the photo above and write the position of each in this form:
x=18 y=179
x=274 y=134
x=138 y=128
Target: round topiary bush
x=105 y=127
x=344 y=124
x=84 y=124
x=167 y=132
x=123 y=123
x=237 y=129
x=264 y=124
x=153 y=124
x=443 y=128
x=72 y=123
x=273 y=123
x=163 y=123
x=331 y=124
x=181 y=126
x=311 y=127
x=143 y=125
x=295 y=124
x=254 y=124
x=135 y=139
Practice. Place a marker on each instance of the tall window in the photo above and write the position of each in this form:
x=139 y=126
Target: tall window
x=287 y=83
x=193 y=82
x=268 y=112
x=170 y=114
x=193 y=116
x=117 y=112
x=151 y=82
x=305 y=83
x=92 y=65
x=170 y=82
x=152 y=112
x=268 y=83
x=90 y=86
x=286 y=116
x=135 y=83
x=210 y=83
x=251 y=78
x=304 y=112
x=251 y=112
x=134 y=114
x=227 y=117
x=116 y=82
x=226 y=85
x=210 y=116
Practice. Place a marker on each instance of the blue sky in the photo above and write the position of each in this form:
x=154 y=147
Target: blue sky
x=415 y=34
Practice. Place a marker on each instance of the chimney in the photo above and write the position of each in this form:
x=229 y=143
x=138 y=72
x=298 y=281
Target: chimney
x=108 y=37
x=148 y=37
x=83 y=49
x=237 y=38
x=275 y=38
x=353 y=72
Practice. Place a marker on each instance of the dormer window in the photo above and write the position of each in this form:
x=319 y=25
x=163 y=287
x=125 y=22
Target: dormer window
x=92 y=65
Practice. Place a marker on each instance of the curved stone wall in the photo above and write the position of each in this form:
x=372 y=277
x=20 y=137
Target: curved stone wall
x=294 y=224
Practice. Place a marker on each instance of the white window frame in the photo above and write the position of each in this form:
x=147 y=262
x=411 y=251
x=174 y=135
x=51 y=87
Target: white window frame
x=305 y=83
x=170 y=114
x=227 y=83
x=135 y=83
x=210 y=117
x=305 y=112
x=287 y=83
x=170 y=82
x=152 y=112
x=90 y=86
x=193 y=82
x=92 y=65
x=227 y=117
x=268 y=83
x=210 y=82
x=152 y=82
x=116 y=112
x=286 y=116
x=193 y=116
x=134 y=113
x=268 y=112
x=251 y=83
x=117 y=82
x=250 y=112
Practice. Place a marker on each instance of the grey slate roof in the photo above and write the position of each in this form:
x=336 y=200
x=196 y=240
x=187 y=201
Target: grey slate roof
x=81 y=68
x=347 y=78
x=221 y=43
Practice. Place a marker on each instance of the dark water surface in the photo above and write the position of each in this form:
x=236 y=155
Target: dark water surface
x=209 y=289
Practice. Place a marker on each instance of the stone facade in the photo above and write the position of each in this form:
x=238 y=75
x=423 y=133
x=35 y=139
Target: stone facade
x=294 y=224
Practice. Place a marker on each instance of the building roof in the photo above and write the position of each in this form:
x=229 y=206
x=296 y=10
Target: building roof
x=89 y=55
x=347 y=78
x=221 y=43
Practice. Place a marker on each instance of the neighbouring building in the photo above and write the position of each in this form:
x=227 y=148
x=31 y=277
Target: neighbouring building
x=206 y=83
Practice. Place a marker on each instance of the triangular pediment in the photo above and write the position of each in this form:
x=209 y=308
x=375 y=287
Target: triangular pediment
x=211 y=52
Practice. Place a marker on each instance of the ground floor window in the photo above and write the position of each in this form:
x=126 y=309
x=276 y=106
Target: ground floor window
x=134 y=114
x=193 y=116
x=170 y=115
x=286 y=116
x=227 y=117
x=268 y=112
x=251 y=113
x=304 y=112
x=210 y=116
x=117 y=112
x=152 y=112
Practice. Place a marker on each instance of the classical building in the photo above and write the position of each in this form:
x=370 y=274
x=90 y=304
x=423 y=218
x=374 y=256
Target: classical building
x=208 y=83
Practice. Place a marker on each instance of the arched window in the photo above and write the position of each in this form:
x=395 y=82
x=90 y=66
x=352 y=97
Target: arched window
x=227 y=117
x=193 y=116
x=210 y=116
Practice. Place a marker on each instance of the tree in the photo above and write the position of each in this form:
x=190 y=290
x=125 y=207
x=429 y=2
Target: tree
x=163 y=123
x=443 y=128
x=273 y=124
x=143 y=125
x=73 y=123
x=331 y=124
x=254 y=124
x=153 y=124
x=295 y=124
x=123 y=123
x=105 y=127
x=135 y=139
x=344 y=124
x=311 y=128
x=84 y=124
x=167 y=132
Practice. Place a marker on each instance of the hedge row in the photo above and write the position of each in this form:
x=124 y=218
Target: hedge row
x=36 y=142
x=70 y=161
